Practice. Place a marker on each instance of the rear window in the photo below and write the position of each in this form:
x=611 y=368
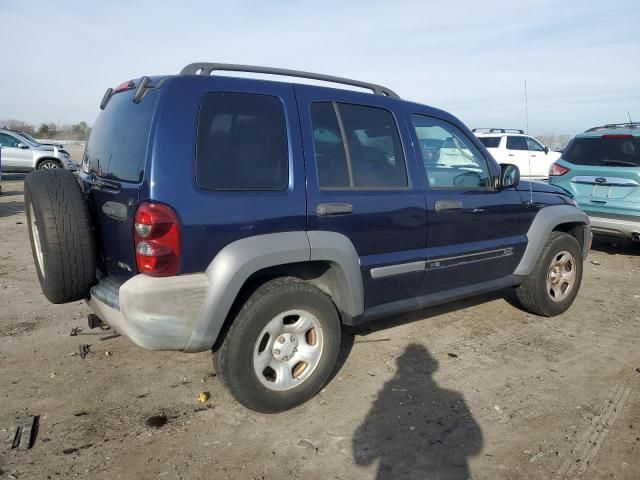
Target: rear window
x=117 y=146
x=490 y=142
x=242 y=143
x=622 y=152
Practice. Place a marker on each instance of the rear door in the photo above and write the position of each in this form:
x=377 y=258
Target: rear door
x=112 y=170
x=476 y=233
x=359 y=183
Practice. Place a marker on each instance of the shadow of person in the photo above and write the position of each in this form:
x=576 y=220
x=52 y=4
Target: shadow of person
x=415 y=429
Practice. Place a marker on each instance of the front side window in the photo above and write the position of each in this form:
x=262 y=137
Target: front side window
x=516 y=143
x=451 y=159
x=357 y=146
x=8 y=140
x=534 y=145
x=242 y=143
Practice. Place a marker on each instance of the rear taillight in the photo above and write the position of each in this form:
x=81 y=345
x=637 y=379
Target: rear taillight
x=557 y=170
x=157 y=240
x=617 y=135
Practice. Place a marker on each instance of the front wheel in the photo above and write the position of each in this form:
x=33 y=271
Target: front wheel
x=48 y=165
x=553 y=284
x=281 y=347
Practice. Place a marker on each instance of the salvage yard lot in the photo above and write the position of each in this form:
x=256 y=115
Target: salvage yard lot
x=475 y=389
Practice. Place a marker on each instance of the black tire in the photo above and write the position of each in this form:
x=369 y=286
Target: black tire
x=49 y=164
x=57 y=211
x=533 y=294
x=233 y=361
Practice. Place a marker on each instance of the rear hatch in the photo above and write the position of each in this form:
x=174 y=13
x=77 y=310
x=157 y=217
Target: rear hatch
x=604 y=173
x=112 y=172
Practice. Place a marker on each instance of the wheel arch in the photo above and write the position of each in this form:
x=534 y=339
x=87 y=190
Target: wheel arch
x=44 y=159
x=327 y=260
x=564 y=218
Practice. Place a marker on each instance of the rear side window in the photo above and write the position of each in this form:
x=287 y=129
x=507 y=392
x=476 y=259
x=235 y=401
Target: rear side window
x=242 y=143
x=490 y=142
x=612 y=151
x=118 y=143
x=516 y=143
x=357 y=146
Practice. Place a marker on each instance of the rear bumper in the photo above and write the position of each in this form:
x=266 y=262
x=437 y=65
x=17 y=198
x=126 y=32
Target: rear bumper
x=618 y=226
x=154 y=313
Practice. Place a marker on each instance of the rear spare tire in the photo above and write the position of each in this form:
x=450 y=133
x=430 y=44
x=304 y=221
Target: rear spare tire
x=61 y=235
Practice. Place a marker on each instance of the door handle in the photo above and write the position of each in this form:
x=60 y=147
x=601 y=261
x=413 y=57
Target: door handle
x=444 y=205
x=328 y=209
x=512 y=154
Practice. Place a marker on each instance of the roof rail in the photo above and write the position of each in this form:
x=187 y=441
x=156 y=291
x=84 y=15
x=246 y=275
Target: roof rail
x=204 y=68
x=608 y=126
x=499 y=130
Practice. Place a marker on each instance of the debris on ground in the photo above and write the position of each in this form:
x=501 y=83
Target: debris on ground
x=203 y=397
x=452 y=355
x=108 y=353
x=53 y=375
x=537 y=456
x=21 y=435
x=84 y=350
x=74 y=332
x=595 y=262
x=308 y=445
x=156 y=421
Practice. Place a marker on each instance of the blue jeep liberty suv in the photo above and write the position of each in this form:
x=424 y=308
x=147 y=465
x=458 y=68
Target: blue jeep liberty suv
x=254 y=218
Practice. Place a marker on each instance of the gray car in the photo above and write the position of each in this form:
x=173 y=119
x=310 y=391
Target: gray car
x=20 y=154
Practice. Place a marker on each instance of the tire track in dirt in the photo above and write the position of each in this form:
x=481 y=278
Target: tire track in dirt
x=594 y=436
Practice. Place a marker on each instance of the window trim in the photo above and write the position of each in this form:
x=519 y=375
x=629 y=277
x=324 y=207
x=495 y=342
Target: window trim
x=490 y=188
x=345 y=142
x=289 y=162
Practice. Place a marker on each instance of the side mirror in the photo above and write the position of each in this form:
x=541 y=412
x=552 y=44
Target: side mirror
x=509 y=175
x=23 y=146
x=546 y=150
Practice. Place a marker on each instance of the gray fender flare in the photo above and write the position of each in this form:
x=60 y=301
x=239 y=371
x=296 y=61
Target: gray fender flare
x=236 y=262
x=543 y=224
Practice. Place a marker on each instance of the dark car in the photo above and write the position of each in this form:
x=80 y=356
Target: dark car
x=255 y=218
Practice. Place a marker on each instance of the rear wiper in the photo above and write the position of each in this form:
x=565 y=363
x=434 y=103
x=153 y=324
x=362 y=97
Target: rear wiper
x=620 y=162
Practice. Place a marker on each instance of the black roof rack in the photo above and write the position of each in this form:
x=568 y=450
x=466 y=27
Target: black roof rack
x=204 y=68
x=608 y=126
x=500 y=130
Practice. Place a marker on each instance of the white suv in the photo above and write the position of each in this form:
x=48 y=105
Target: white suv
x=513 y=146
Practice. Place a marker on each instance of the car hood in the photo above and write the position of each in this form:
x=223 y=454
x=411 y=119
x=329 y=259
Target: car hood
x=540 y=187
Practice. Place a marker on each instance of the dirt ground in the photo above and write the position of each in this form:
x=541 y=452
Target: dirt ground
x=477 y=389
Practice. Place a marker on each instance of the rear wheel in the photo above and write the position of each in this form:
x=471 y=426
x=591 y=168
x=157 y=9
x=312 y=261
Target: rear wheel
x=60 y=233
x=281 y=347
x=553 y=284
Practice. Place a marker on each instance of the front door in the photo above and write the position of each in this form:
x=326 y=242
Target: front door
x=359 y=171
x=476 y=233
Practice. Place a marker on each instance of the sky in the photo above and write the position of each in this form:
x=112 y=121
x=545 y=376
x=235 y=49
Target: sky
x=580 y=59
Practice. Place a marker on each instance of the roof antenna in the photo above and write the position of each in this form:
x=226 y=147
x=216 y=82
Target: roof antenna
x=526 y=114
x=630 y=121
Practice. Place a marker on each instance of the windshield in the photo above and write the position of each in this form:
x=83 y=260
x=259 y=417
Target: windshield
x=604 y=151
x=30 y=138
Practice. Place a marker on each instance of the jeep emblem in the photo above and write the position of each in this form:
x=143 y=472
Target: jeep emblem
x=601 y=180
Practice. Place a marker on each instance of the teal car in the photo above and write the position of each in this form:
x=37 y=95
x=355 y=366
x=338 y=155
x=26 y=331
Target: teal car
x=601 y=169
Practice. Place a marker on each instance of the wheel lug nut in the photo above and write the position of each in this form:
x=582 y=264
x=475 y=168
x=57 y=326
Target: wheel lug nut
x=276 y=351
x=285 y=358
x=281 y=339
